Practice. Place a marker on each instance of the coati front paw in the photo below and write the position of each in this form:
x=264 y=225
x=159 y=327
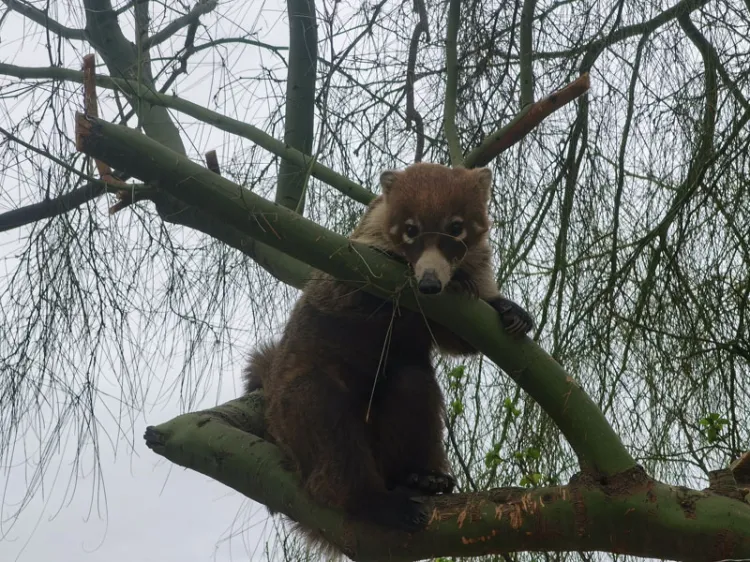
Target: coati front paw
x=398 y=511
x=431 y=482
x=514 y=318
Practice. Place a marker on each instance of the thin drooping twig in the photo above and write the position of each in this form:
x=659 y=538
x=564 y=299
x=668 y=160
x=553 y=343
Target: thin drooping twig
x=451 y=86
x=524 y=122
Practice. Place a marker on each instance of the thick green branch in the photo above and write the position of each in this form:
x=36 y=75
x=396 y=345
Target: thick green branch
x=708 y=127
x=300 y=101
x=580 y=420
x=124 y=59
x=525 y=53
x=630 y=514
x=451 y=87
x=711 y=59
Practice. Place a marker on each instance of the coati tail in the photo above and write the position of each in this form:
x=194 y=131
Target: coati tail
x=259 y=366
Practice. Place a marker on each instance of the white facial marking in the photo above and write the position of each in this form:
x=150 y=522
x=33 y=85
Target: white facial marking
x=394 y=229
x=407 y=240
x=433 y=259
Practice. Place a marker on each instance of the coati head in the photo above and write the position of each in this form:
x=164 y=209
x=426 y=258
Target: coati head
x=434 y=216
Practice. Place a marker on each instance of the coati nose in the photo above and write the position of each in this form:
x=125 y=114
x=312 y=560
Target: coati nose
x=430 y=284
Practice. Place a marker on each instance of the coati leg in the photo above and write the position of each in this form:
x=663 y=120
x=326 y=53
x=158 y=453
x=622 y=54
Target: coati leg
x=409 y=431
x=513 y=316
x=430 y=482
x=322 y=428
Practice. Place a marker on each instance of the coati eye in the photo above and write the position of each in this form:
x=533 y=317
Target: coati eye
x=412 y=230
x=455 y=228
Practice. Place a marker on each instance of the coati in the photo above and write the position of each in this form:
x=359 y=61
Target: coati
x=351 y=393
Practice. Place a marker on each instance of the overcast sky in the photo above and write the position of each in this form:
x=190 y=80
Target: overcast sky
x=145 y=509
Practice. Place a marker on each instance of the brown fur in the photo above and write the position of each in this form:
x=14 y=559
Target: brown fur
x=343 y=347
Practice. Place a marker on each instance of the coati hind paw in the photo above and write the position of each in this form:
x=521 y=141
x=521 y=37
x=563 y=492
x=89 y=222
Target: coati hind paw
x=399 y=512
x=431 y=482
x=514 y=317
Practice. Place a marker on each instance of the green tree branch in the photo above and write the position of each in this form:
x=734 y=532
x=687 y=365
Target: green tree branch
x=451 y=86
x=598 y=447
x=299 y=114
x=525 y=53
x=630 y=513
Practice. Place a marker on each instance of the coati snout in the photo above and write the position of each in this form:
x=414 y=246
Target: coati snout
x=434 y=258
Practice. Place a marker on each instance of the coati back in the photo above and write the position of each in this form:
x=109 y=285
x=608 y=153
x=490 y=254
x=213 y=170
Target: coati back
x=351 y=393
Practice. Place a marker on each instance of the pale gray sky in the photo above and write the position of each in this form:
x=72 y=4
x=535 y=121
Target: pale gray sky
x=145 y=509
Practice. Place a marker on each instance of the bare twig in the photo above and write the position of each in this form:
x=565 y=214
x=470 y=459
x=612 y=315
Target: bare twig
x=201 y=8
x=212 y=162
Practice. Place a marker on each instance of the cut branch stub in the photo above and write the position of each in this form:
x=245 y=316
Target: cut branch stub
x=524 y=122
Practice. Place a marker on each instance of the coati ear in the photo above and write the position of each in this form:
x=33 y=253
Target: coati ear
x=387 y=179
x=484 y=181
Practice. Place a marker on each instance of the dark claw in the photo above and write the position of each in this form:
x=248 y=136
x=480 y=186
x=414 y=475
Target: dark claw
x=431 y=482
x=398 y=511
x=513 y=317
x=413 y=518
